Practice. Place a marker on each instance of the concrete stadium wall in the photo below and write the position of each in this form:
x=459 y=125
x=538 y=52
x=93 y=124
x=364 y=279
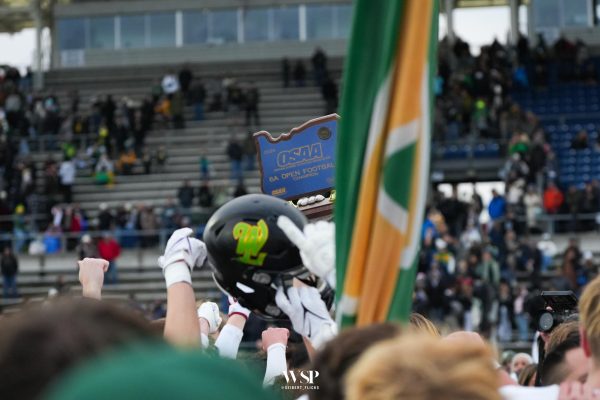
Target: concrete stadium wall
x=225 y=52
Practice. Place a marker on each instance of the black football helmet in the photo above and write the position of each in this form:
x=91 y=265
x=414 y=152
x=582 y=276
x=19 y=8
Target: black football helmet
x=250 y=256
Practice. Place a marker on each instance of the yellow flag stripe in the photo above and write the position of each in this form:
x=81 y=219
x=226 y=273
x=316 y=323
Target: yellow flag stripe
x=376 y=273
x=413 y=54
x=367 y=195
x=386 y=243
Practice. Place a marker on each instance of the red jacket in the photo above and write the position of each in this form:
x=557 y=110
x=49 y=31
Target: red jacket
x=109 y=250
x=553 y=199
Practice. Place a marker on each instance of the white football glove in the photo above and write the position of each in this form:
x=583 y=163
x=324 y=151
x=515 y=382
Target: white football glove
x=316 y=245
x=182 y=253
x=210 y=312
x=237 y=308
x=308 y=313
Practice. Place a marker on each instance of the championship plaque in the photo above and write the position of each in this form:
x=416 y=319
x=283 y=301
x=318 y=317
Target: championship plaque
x=300 y=163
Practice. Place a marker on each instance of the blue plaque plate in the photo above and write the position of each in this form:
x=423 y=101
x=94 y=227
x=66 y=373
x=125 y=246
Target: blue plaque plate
x=301 y=162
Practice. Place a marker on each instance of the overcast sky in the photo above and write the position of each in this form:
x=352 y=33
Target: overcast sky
x=477 y=26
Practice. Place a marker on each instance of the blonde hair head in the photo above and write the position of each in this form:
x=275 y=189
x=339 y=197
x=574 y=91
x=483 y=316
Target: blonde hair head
x=424 y=368
x=589 y=316
x=421 y=324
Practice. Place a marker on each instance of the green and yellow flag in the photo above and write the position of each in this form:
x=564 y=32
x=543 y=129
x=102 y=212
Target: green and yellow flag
x=382 y=166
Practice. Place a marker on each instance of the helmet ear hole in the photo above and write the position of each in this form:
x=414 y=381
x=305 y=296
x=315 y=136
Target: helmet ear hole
x=219 y=229
x=244 y=288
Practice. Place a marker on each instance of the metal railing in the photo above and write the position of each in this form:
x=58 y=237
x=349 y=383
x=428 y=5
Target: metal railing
x=197 y=214
x=60 y=242
x=64 y=242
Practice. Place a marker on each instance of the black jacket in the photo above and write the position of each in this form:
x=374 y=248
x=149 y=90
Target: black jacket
x=9 y=265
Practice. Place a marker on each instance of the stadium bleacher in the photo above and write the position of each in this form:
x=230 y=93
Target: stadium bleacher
x=566 y=110
x=280 y=109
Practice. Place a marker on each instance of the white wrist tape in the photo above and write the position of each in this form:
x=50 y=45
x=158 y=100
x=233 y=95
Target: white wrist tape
x=177 y=272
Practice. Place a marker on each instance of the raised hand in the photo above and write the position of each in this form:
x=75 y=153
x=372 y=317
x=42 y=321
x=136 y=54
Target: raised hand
x=182 y=253
x=316 y=245
x=271 y=336
x=209 y=311
x=308 y=313
x=91 y=276
x=236 y=308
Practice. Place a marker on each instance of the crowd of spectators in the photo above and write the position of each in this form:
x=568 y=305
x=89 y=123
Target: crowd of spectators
x=322 y=78
x=103 y=138
x=473 y=93
x=473 y=102
x=480 y=276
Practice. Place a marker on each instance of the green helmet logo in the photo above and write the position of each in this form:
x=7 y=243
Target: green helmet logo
x=250 y=241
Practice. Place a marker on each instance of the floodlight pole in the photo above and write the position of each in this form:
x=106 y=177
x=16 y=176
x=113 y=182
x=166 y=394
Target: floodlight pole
x=449 y=7
x=38 y=74
x=514 y=21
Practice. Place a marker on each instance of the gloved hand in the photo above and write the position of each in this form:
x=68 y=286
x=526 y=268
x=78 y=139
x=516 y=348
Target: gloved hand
x=182 y=253
x=316 y=245
x=210 y=312
x=237 y=308
x=308 y=313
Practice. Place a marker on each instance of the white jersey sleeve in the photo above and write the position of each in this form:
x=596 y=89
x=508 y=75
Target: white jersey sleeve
x=204 y=342
x=514 y=392
x=228 y=341
x=276 y=363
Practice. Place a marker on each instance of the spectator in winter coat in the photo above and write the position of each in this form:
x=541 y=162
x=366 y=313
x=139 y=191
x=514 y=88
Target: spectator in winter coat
x=185 y=78
x=285 y=72
x=300 y=74
x=533 y=206
x=319 y=64
x=548 y=249
x=205 y=196
x=252 y=99
x=109 y=249
x=86 y=248
x=185 y=194
x=580 y=141
x=329 y=91
x=9 y=265
x=197 y=96
x=553 y=199
x=249 y=151
x=67 y=178
x=235 y=154
x=105 y=218
x=497 y=206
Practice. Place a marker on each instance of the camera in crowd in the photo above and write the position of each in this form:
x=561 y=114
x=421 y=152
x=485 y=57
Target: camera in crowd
x=552 y=308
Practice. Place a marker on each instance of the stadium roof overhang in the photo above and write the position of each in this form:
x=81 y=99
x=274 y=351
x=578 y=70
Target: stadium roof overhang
x=16 y=15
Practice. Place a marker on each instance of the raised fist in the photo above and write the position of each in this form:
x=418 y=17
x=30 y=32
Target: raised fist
x=272 y=336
